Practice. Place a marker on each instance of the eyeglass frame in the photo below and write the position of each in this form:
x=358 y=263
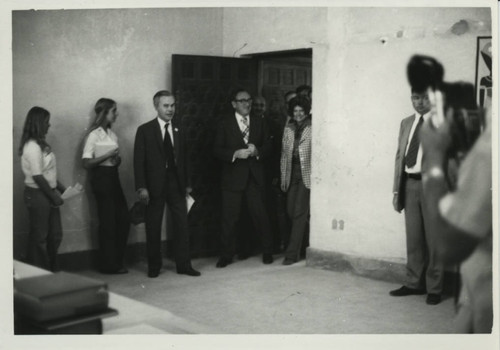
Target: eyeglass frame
x=242 y=100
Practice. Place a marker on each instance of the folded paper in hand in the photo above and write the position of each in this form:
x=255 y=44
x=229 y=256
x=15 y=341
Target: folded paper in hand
x=189 y=202
x=101 y=148
x=72 y=191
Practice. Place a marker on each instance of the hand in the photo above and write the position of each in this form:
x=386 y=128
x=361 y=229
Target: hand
x=253 y=150
x=116 y=160
x=243 y=153
x=112 y=153
x=57 y=201
x=189 y=190
x=143 y=195
x=395 y=203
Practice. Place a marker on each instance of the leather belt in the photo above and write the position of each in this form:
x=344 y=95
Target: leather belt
x=414 y=176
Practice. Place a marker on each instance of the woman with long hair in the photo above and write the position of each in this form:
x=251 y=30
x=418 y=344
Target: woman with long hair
x=296 y=172
x=42 y=193
x=101 y=158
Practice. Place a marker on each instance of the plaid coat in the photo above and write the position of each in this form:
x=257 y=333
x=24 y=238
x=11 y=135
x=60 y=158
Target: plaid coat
x=304 y=153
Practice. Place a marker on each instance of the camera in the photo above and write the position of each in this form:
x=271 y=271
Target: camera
x=425 y=73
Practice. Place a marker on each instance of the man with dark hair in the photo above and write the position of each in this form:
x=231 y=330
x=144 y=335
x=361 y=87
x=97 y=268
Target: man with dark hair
x=242 y=142
x=161 y=176
x=424 y=270
x=304 y=90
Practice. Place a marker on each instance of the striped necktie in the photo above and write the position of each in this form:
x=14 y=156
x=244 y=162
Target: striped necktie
x=246 y=131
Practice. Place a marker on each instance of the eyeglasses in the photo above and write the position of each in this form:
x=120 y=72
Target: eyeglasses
x=243 y=100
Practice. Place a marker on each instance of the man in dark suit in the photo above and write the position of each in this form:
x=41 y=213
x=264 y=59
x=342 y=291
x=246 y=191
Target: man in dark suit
x=424 y=270
x=160 y=176
x=242 y=142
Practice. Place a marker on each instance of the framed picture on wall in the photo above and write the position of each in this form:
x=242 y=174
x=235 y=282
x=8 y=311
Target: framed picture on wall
x=483 y=82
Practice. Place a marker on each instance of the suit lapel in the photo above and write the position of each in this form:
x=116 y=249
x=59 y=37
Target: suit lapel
x=406 y=133
x=235 y=129
x=158 y=136
x=177 y=144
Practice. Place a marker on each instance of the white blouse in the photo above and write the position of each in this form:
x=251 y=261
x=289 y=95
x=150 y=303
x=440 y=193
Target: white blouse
x=34 y=162
x=98 y=143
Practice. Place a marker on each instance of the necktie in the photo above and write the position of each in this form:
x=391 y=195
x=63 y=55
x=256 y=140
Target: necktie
x=169 y=149
x=411 y=155
x=246 y=131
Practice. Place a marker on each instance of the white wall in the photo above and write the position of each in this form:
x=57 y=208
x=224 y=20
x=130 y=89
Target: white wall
x=360 y=95
x=66 y=60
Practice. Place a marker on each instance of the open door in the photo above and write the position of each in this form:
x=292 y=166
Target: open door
x=202 y=85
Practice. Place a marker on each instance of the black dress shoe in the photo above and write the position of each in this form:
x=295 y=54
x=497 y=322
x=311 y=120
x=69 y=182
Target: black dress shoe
x=188 y=271
x=288 y=261
x=153 y=273
x=223 y=262
x=433 y=299
x=267 y=258
x=404 y=291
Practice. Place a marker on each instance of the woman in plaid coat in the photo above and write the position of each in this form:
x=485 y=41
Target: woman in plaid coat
x=296 y=172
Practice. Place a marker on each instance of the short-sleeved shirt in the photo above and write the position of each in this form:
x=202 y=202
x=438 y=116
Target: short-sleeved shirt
x=35 y=161
x=100 y=138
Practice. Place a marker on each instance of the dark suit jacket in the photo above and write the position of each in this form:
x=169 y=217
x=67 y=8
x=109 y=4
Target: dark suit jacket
x=150 y=159
x=399 y=169
x=228 y=139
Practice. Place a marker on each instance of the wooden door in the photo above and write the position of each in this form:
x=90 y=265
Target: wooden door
x=202 y=85
x=280 y=75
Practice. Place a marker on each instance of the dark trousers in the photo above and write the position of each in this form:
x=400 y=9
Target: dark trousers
x=114 y=220
x=278 y=217
x=298 y=212
x=423 y=267
x=175 y=198
x=45 y=230
x=231 y=211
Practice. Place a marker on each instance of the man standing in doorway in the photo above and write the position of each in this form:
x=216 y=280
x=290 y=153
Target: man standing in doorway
x=424 y=270
x=161 y=176
x=242 y=142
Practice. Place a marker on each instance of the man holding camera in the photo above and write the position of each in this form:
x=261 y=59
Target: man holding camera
x=461 y=221
x=424 y=271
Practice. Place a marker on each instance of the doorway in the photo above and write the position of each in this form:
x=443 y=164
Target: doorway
x=202 y=85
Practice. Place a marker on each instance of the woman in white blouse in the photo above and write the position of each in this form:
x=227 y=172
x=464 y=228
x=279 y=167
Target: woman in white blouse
x=42 y=193
x=101 y=157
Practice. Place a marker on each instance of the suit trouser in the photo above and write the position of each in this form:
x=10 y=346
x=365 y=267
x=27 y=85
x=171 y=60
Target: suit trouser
x=114 y=219
x=176 y=201
x=45 y=233
x=424 y=270
x=231 y=211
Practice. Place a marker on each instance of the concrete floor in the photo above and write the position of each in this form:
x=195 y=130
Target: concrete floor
x=249 y=297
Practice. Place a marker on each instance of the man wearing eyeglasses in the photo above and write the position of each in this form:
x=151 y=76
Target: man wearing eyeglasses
x=242 y=142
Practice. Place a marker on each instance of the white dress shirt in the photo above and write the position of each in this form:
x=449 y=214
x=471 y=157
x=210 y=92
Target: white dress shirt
x=417 y=168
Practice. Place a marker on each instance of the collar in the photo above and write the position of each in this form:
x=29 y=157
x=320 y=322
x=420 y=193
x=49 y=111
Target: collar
x=162 y=123
x=426 y=116
x=239 y=116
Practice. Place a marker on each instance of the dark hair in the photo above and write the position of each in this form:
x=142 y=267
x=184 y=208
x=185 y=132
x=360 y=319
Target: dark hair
x=159 y=94
x=236 y=91
x=301 y=88
x=34 y=128
x=288 y=93
x=300 y=101
x=101 y=109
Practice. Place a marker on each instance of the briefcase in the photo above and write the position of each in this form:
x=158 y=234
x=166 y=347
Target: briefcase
x=59 y=295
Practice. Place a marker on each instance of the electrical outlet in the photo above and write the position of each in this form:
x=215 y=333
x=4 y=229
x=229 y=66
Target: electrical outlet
x=341 y=224
x=334 y=224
